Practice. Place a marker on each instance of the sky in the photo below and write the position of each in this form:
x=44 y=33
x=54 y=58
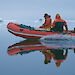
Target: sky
x=32 y=9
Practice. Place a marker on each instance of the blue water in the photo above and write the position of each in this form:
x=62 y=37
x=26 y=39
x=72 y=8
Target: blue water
x=32 y=62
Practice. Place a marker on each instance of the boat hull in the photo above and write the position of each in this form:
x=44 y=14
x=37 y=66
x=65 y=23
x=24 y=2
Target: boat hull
x=32 y=34
x=36 y=45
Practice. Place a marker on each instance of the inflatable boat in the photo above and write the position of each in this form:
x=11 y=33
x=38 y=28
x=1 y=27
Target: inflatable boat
x=28 y=46
x=33 y=33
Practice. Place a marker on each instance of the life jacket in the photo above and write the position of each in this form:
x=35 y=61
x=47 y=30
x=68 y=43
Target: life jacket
x=47 y=23
x=47 y=55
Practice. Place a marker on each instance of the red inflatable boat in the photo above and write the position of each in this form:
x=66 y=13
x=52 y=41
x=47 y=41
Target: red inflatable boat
x=27 y=46
x=30 y=32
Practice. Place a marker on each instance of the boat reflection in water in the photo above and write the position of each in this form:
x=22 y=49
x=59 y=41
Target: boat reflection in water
x=56 y=49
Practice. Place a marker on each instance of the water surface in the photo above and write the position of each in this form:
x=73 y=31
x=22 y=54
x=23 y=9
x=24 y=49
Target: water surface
x=32 y=57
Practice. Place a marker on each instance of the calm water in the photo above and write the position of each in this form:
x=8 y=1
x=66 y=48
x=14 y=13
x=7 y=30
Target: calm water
x=32 y=57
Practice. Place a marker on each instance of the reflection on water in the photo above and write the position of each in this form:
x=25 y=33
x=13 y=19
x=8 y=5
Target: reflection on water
x=54 y=49
x=29 y=56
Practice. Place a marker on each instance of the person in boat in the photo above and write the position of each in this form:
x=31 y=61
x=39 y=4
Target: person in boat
x=59 y=56
x=47 y=54
x=47 y=23
x=58 y=24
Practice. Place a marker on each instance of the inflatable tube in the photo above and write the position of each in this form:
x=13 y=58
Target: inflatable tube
x=32 y=33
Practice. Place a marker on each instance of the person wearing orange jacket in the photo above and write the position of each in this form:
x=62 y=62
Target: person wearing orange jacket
x=59 y=56
x=47 y=54
x=58 y=24
x=47 y=23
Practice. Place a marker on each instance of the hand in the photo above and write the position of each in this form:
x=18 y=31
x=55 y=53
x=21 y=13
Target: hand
x=41 y=27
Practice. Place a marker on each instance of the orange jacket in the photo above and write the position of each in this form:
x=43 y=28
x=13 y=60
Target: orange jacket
x=58 y=19
x=47 y=23
x=58 y=62
x=47 y=55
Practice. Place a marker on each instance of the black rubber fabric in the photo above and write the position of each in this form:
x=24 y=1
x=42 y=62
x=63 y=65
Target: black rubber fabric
x=27 y=27
x=21 y=29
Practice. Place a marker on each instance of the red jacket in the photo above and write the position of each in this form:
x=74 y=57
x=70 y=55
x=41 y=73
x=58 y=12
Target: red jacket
x=58 y=19
x=47 y=23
